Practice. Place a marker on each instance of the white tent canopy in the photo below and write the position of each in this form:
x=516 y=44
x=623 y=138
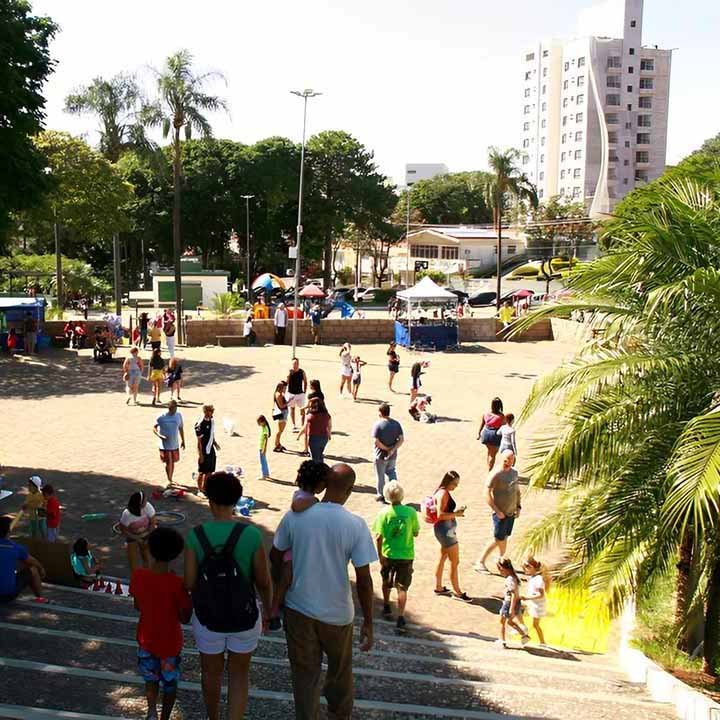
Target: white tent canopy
x=427 y=291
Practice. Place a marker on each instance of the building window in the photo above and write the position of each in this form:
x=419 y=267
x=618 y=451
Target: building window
x=631 y=70
x=565 y=84
x=528 y=75
x=564 y=122
x=562 y=192
x=611 y=118
x=612 y=100
x=645 y=103
x=542 y=176
x=632 y=51
x=643 y=138
x=614 y=62
x=625 y=181
x=542 y=159
x=526 y=110
x=577 y=172
x=612 y=174
x=544 y=89
x=424 y=251
x=629 y=88
x=629 y=107
x=580 y=99
x=581 y=62
x=647 y=65
x=626 y=162
x=612 y=137
x=612 y=156
x=526 y=126
x=542 y=140
x=581 y=81
x=526 y=159
x=563 y=155
x=512 y=249
x=544 y=106
x=643 y=156
x=576 y=191
x=527 y=92
x=562 y=174
x=646 y=83
x=579 y=117
x=567 y=66
x=578 y=136
x=613 y=81
x=543 y=123
x=526 y=143
x=641 y=176
x=546 y=53
x=544 y=72
x=628 y=126
x=578 y=154
x=449 y=252
x=540 y=195
x=633 y=23
x=644 y=120
x=529 y=57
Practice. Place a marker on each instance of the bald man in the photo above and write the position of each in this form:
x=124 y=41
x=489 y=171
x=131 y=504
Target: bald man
x=319 y=608
x=503 y=497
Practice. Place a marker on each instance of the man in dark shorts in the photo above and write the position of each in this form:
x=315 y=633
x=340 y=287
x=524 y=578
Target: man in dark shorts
x=296 y=388
x=503 y=497
x=207 y=459
x=168 y=427
x=18 y=569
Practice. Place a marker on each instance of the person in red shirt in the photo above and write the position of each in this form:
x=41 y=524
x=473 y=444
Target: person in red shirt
x=163 y=604
x=52 y=512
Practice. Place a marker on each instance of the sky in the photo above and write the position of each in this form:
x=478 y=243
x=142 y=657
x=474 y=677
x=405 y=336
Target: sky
x=416 y=81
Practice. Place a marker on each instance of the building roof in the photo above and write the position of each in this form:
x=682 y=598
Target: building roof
x=21 y=302
x=457 y=233
x=426 y=290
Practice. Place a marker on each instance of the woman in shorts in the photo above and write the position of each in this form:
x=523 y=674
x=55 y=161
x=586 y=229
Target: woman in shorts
x=345 y=367
x=136 y=523
x=488 y=433
x=445 y=529
x=280 y=413
x=393 y=364
x=223 y=490
x=132 y=372
x=156 y=374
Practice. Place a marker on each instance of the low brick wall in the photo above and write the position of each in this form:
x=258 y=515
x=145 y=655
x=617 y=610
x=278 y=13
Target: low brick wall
x=571 y=331
x=357 y=331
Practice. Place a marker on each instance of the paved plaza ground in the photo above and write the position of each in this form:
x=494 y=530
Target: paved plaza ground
x=65 y=418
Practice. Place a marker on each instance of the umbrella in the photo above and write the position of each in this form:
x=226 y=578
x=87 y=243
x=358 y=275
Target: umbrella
x=268 y=281
x=311 y=291
x=520 y=294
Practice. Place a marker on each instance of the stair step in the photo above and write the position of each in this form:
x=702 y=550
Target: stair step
x=24 y=712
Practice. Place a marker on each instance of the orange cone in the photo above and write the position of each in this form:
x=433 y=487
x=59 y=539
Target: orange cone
x=97 y=585
x=108 y=588
x=118 y=589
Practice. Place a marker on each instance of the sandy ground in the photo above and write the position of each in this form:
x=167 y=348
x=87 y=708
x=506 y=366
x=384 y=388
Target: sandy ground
x=65 y=418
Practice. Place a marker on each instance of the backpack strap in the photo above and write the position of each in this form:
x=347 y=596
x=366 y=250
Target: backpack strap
x=233 y=538
x=207 y=548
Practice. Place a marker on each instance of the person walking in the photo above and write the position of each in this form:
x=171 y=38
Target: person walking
x=29 y=333
x=415 y=384
x=143 y=323
x=280 y=413
x=357 y=365
x=319 y=610
x=396 y=528
x=206 y=445
x=132 y=372
x=508 y=440
x=168 y=427
x=156 y=334
x=156 y=374
x=169 y=329
x=280 y=321
x=488 y=433
x=315 y=322
x=296 y=388
x=345 y=367
x=393 y=364
x=263 y=438
x=445 y=528
x=388 y=437
x=226 y=571
x=317 y=429
x=249 y=332
x=503 y=497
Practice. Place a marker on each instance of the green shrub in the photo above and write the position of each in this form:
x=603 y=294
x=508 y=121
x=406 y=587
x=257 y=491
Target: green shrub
x=437 y=276
x=346 y=276
x=525 y=271
x=223 y=304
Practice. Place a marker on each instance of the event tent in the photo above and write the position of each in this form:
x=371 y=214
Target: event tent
x=434 y=334
x=427 y=291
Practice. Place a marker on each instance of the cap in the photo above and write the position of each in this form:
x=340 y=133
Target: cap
x=36 y=480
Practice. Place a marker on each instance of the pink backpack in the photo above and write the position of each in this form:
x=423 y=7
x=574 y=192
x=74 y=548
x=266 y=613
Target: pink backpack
x=429 y=509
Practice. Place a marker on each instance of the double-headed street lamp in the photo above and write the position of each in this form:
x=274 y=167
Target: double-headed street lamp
x=247 y=199
x=305 y=94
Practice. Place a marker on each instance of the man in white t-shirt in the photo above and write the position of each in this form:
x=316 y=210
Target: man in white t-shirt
x=319 y=608
x=280 y=321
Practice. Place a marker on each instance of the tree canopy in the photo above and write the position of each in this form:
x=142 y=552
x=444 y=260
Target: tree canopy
x=551 y=229
x=25 y=64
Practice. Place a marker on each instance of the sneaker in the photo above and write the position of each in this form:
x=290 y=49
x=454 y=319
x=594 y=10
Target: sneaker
x=463 y=598
x=501 y=643
x=443 y=591
x=380 y=499
x=481 y=568
x=275 y=624
x=41 y=600
x=400 y=624
x=387 y=612
x=524 y=640
x=278 y=449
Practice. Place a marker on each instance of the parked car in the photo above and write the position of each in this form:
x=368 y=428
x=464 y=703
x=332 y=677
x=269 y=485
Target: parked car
x=461 y=294
x=367 y=295
x=484 y=298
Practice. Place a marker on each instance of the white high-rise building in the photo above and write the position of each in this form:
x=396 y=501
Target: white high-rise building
x=415 y=172
x=595 y=110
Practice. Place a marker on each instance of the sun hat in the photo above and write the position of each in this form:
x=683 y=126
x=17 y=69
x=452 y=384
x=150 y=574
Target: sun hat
x=36 y=480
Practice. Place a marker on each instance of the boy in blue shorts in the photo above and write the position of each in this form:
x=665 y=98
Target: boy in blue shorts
x=163 y=604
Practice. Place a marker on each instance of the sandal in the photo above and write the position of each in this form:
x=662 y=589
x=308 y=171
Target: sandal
x=464 y=597
x=443 y=591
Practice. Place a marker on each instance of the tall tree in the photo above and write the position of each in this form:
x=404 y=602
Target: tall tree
x=181 y=107
x=117 y=102
x=25 y=64
x=507 y=182
x=557 y=226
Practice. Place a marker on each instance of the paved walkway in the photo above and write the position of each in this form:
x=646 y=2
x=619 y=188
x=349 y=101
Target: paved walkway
x=66 y=419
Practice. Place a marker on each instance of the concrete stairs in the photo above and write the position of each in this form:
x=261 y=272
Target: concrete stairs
x=75 y=658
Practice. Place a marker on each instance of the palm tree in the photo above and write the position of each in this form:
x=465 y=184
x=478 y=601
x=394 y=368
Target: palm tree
x=508 y=181
x=117 y=102
x=637 y=435
x=181 y=106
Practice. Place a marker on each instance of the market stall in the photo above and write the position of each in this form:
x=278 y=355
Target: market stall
x=430 y=320
x=13 y=311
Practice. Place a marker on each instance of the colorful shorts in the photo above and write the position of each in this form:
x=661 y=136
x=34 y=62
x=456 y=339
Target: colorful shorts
x=165 y=671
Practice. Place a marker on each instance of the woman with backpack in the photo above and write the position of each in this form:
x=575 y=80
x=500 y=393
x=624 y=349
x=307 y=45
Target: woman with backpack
x=226 y=587
x=441 y=510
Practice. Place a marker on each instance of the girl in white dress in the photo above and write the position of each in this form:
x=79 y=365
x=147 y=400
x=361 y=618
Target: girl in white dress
x=537 y=586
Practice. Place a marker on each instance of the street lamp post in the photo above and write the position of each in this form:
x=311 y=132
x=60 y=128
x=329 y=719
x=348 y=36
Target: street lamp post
x=408 y=187
x=305 y=94
x=58 y=263
x=247 y=198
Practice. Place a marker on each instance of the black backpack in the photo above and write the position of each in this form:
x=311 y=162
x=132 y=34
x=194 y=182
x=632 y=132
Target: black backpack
x=223 y=598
